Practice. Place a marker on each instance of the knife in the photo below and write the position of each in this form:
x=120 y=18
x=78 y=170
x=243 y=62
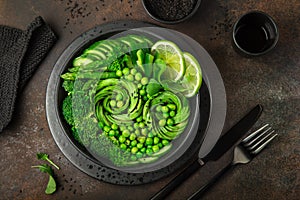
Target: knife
x=226 y=141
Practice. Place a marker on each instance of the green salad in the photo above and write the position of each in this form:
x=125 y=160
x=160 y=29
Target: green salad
x=128 y=98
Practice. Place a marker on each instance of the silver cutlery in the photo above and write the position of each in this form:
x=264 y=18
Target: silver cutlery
x=244 y=152
x=229 y=139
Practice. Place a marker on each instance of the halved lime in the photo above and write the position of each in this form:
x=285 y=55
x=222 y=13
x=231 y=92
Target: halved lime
x=192 y=78
x=172 y=55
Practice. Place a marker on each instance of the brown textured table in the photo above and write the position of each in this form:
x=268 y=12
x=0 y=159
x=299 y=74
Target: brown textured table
x=272 y=80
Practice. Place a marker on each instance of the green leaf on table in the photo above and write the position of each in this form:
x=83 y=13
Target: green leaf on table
x=44 y=156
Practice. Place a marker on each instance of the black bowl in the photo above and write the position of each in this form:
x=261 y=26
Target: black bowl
x=156 y=12
x=212 y=110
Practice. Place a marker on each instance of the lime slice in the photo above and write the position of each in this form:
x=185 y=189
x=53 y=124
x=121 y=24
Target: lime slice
x=192 y=78
x=172 y=55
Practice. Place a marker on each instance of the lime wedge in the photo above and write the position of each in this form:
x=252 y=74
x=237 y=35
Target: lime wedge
x=192 y=78
x=172 y=55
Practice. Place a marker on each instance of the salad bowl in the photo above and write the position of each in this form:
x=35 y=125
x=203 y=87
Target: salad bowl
x=202 y=127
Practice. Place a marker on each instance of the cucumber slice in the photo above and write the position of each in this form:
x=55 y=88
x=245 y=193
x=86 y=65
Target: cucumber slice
x=96 y=52
x=81 y=61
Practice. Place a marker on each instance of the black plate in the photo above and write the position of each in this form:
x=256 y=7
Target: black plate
x=212 y=100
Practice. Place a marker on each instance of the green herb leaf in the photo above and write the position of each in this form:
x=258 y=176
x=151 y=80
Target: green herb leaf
x=44 y=168
x=153 y=87
x=43 y=156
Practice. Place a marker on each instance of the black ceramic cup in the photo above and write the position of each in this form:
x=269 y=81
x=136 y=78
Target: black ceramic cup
x=255 y=33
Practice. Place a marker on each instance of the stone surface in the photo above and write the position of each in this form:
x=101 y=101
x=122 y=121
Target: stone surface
x=272 y=80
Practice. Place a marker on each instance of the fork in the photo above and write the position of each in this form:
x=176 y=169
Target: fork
x=244 y=152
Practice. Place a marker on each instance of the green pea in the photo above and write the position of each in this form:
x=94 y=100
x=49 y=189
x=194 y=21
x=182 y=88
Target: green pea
x=127 y=142
x=119 y=97
x=129 y=77
x=149 y=141
x=136 y=125
x=137 y=132
x=145 y=98
x=165 y=142
x=142 y=92
x=144 y=131
x=120 y=104
x=141 y=139
x=133 y=143
x=150 y=135
x=123 y=146
x=106 y=129
x=125 y=71
x=172 y=113
x=144 y=81
x=134 y=150
x=139 y=145
x=142 y=125
x=162 y=122
x=139 y=154
x=156 y=140
x=113 y=103
x=164 y=109
x=130 y=128
x=126 y=133
x=114 y=126
x=149 y=152
x=111 y=133
x=143 y=150
x=160 y=145
x=132 y=136
x=139 y=119
x=170 y=122
x=119 y=73
x=158 y=108
x=139 y=85
x=133 y=71
x=138 y=76
x=155 y=148
x=166 y=115
x=122 y=139
x=171 y=106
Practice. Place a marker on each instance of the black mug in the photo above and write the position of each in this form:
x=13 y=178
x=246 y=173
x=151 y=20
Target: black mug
x=255 y=33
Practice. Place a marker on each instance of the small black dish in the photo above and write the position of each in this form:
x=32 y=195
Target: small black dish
x=254 y=34
x=169 y=11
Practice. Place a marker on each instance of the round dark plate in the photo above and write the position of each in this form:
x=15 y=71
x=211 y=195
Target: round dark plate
x=211 y=96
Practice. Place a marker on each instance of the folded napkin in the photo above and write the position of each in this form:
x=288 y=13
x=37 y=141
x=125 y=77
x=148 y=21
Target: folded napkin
x=21 y=51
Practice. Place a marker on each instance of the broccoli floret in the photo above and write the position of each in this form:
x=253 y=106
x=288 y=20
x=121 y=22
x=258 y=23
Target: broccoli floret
x=118 y=64
x=68 y=85
x=67 y=110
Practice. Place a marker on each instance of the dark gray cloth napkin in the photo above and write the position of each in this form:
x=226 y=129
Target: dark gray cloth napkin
x=21 y=51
